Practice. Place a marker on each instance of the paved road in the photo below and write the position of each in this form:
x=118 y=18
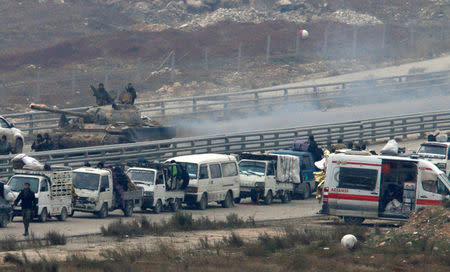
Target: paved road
x=84 y=223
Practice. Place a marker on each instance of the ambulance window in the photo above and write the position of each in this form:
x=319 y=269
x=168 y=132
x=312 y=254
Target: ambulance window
x=441 y=188
x=429 y=182
x=357 y=178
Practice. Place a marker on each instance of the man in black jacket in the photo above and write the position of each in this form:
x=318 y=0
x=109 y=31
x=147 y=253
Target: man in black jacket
x=28 y=202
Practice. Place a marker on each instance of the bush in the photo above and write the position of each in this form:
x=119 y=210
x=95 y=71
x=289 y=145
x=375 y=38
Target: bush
x=9 y=243
x=55 y=238
x=234 y=240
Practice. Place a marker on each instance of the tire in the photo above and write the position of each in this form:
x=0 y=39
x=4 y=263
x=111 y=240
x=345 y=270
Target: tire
x=307 y=193
x=158 y=207
x=228 y=202
x=237 y=200
x=175 y=205
x=103 y=213
x=43 y=217
x=203 y=204
x=128 y=210
x=4 y=220
x=285 y=198
x=18 y=146
x=254 y=198
x=350 y=220
x=269 y=198
x=63 y=215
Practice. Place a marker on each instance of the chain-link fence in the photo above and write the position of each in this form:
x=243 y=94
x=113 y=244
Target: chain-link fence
x=69 y=85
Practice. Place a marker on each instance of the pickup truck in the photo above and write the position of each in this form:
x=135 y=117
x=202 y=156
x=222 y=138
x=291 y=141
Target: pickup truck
x=436 y=152
x=52 y=188
x=159 y=195
x=266 y=177
x=98 y=193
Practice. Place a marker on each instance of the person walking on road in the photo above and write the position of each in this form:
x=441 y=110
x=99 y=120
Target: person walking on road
x=28 y=202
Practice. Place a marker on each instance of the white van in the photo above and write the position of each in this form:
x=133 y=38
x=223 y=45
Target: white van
x=358 y=187
x=212 y=178
x=438 y=153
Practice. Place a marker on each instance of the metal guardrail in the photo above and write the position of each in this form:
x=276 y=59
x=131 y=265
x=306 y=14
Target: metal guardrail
x=223 y=103
x=364 y=130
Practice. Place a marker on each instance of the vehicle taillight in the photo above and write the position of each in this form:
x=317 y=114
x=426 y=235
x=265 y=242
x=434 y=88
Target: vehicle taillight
x=325 y=195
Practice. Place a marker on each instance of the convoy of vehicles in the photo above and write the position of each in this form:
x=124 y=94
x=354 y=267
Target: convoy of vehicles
x=98 y=193
x=162 y=189
x=268 y=177
x=212 y=178
x=385 y=187
x=53 y=191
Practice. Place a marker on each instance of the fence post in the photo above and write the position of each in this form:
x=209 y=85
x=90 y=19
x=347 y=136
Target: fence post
x=239 y=57
x=383 y=37
x=325 y=41
x=206 y=59
x=105 y=83
x=268 y=49
x=31 y=126
x=172 y=65
x=38 y=86
x=355 y=36
x=297 y=46
x=411 y=35
x=74 y=75
x=138 y=75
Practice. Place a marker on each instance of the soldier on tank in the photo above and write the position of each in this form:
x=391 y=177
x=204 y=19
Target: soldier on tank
x=101 y=95
x=128 y=96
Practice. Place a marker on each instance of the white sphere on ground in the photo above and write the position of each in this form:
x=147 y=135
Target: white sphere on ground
x=349 y=241
x=304 y=34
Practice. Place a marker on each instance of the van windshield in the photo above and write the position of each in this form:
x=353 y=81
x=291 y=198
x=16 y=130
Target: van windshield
x=142 y=176
x=88 y=181
x=18 y=183
x=252 y=167
x=191 y=168
x=433 y=149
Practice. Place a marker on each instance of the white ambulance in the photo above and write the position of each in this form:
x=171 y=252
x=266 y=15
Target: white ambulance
x=384 y=187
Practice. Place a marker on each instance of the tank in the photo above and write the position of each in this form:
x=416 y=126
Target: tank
x=104 y=125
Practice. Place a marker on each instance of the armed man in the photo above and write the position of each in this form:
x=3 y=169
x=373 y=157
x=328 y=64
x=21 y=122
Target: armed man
x=102 y=96
x=28 y=202
x=128 y=96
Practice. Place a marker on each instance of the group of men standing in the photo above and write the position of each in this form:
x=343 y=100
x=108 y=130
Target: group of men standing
x=103 y=97
x=42 y=143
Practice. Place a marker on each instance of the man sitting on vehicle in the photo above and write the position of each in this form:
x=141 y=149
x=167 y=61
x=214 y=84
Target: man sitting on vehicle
x=38 y=144
x=22 y=161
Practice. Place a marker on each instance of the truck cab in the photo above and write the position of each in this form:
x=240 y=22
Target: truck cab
x=307 y=183
x=260 y=176
x=437 y=153
x=95 y=190
x=52 y=188
x=157 y=195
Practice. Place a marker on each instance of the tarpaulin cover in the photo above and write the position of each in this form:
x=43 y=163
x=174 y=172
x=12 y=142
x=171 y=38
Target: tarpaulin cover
x=288 y=169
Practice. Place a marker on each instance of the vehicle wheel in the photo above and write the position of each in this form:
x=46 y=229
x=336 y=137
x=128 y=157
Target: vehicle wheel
x=350 y=220
x=254 y=198
x=63 y=215
x=285 y=197
x=228 y=202
x=18 y=147
x=269 y=198
x=203 y=204
x=158 y=206
x=237 y=200
x=3 y=220
x=175 y=205
x=44 y=216
x=307 y=193
x=128 y=211
x=103 y=213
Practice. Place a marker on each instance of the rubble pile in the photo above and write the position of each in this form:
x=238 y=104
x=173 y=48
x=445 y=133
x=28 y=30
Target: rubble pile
x=430 y=222
x=351 y=17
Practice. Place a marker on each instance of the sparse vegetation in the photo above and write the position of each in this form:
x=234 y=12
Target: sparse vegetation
x=180 y=221
x=55 y=238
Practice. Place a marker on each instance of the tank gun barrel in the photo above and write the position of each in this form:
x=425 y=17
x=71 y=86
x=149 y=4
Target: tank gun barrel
x=42 y=107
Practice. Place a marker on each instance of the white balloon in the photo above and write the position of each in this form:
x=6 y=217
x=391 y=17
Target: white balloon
x=304 y=34
x=349 y=241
